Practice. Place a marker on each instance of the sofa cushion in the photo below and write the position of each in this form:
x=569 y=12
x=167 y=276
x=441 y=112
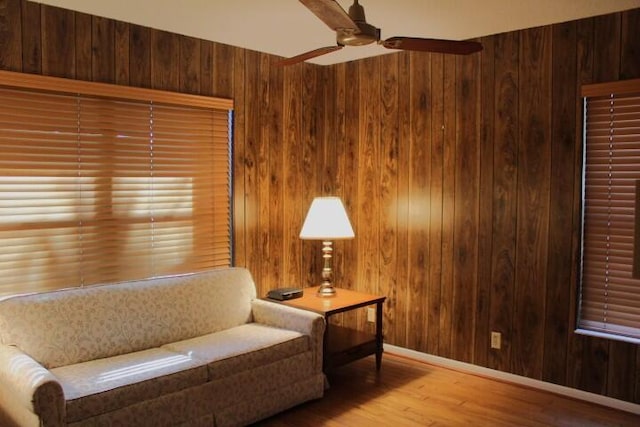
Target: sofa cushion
x=103 y=385
x=76 y=325
x=242 y=348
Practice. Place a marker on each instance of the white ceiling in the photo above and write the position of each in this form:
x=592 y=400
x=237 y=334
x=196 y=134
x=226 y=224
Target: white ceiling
x=286 y=28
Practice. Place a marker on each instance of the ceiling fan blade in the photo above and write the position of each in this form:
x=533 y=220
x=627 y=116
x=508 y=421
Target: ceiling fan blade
x=308 y=55
x=432 y=45
x=331 y=13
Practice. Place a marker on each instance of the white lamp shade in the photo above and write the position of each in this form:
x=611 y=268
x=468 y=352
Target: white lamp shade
x=326 y=220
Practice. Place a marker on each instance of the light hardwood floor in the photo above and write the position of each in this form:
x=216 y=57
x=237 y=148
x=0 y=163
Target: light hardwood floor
x=412 y=393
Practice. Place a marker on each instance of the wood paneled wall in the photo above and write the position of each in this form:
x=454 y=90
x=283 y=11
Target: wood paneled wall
x=461 y=175
x=463 y=178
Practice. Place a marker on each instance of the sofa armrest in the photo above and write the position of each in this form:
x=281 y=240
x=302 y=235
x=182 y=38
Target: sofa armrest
x=285 y=317
x=30 y=385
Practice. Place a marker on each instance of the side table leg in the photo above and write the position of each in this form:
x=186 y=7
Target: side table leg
x=379 y=340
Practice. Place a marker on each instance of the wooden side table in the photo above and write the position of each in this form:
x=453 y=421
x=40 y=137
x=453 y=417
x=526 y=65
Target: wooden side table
x=343 y=345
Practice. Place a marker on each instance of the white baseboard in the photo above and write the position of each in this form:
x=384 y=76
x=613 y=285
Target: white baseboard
x=515 y=379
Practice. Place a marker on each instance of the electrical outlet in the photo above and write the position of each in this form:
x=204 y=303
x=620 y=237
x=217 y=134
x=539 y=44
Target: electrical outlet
x=496 y=340
x=371 y=314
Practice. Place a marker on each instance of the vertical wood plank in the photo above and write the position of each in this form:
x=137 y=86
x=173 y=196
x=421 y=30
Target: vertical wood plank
x=400 y=332
x=338 y=133
x=251 y=148
x=103 y=50
x=368 y=222
x=240 y=163
x=419 y=175
x=58 y=42
x=222 y=70
x=505 y=161
x=485 y=219
x=584 y=74
x=333 y=172
x=636 y=385
x=121 y=51
x=334 y=153
x=190 y=66
x=466 y=209
x=83 y=46
x=11 y=35
x=389 y=151
x=630 y=52
x=165 y=51
x=206 y=69
x=448 y=206
x=389 y=126
x=311 y=149
x=607 y=47
x=533 y=204
x=31 y=37
x=267 y=266
x=436 y=159
x=140 y=56
x=561 y=215
x=329 y=160
x=293 y=199
x=622 y=371
x=352 y=164
x=277 y=225
x=594 y=365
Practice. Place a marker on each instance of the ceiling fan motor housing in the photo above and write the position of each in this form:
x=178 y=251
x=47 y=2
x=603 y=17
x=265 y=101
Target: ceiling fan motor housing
x=348 y=37
x=366 y=34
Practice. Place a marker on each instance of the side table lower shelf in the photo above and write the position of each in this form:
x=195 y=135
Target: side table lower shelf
x=344 y=345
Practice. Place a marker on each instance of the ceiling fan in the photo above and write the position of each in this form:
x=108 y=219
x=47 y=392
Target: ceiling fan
x=352 y=29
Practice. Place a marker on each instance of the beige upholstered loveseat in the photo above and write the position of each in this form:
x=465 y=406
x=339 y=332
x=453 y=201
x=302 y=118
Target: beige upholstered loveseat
x=191 y=350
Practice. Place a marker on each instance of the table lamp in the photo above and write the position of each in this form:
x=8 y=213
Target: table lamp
x=326 y=220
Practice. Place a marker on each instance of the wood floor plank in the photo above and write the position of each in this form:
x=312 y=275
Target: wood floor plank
x=407 y=393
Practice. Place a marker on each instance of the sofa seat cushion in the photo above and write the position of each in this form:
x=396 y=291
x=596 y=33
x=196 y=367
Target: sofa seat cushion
x=103 y=385
x=242 y=348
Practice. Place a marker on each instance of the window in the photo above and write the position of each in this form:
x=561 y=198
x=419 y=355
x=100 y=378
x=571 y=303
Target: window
x=609 y=302
x=97 y=188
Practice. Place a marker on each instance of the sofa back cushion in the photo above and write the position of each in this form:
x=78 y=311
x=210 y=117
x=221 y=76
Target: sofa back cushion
x=70 y=326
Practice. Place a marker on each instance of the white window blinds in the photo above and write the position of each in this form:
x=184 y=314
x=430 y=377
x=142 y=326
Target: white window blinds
x=610 y=294
x=97 y=189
